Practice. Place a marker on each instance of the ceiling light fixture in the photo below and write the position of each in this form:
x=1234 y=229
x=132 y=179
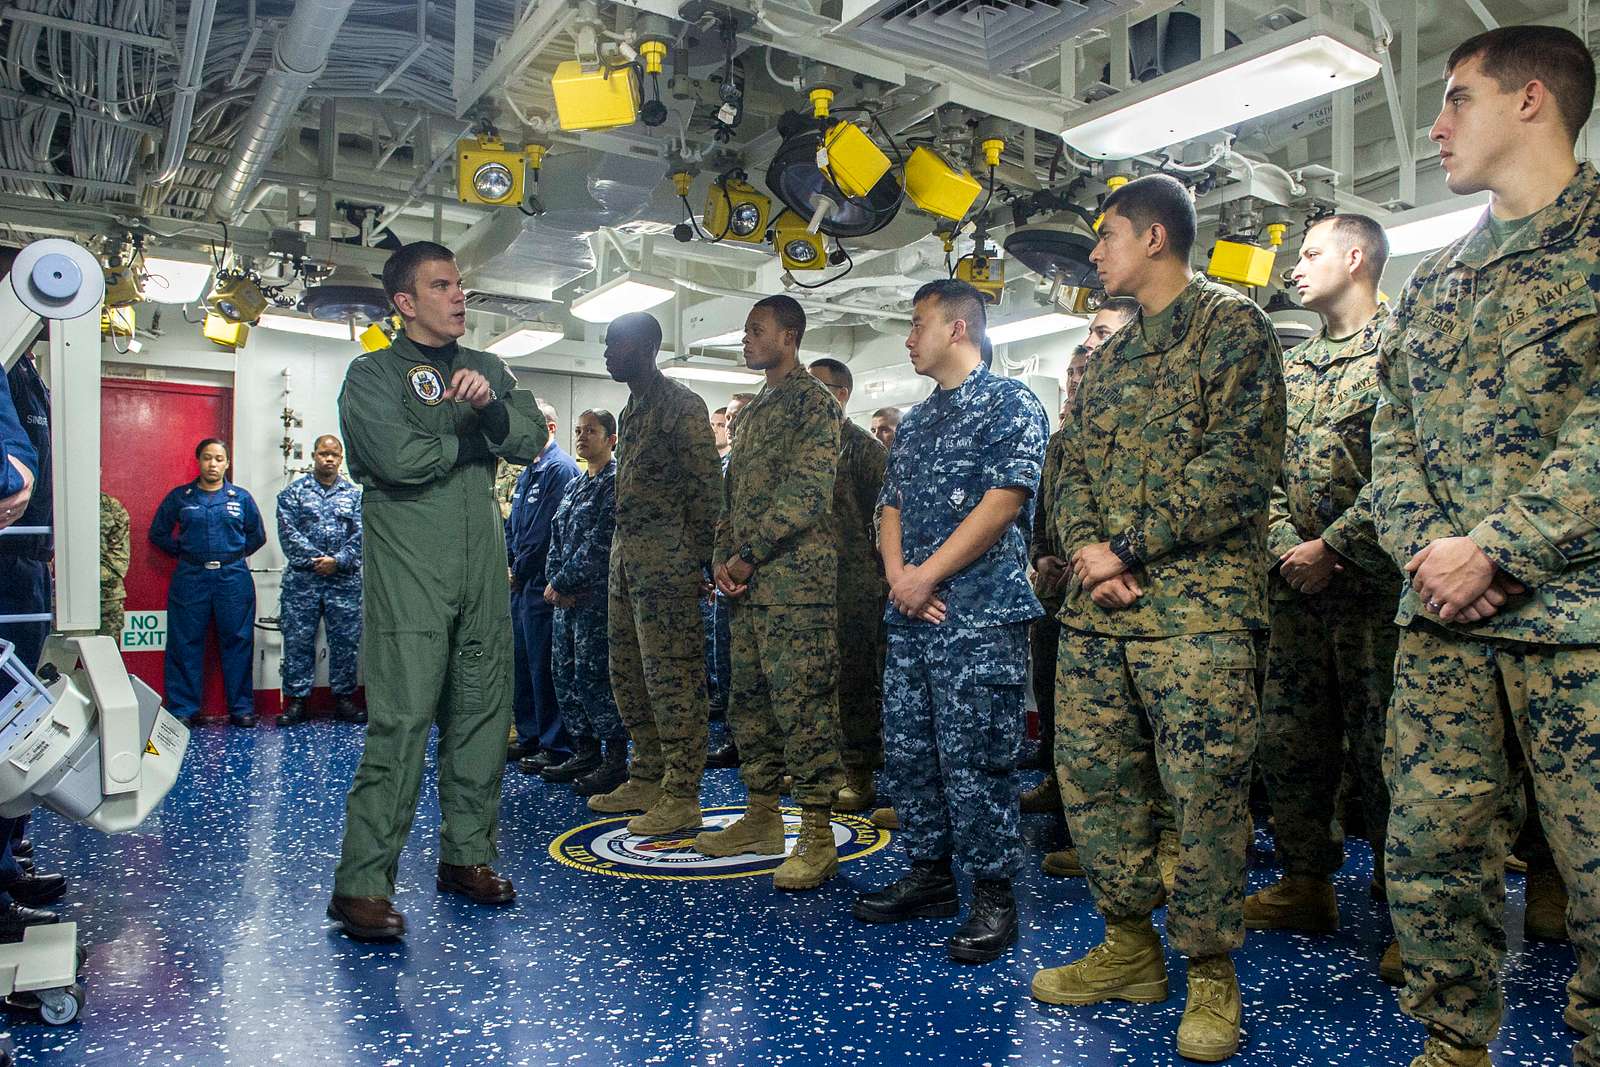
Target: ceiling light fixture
x=1425 y=228
x=711 y=374
x=525 y=340
x=731 y=339
x=1307 y=60
x=169 y=279
x=627 y=292
x=1031 y=326
x=287 y=322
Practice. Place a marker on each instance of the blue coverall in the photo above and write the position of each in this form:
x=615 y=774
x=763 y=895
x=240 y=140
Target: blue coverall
x=215 y=532
x=24 y=580
x=533 y=504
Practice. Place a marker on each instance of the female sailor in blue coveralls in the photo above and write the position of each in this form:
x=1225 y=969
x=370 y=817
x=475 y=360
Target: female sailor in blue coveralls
x=217 y=526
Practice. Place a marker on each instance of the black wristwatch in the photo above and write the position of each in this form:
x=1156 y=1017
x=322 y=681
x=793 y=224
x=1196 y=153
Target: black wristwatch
x=747 y=554
x=1124 y=551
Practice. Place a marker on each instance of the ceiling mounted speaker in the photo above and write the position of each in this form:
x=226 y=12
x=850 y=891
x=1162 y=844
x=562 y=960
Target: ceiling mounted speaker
x=347 y=293
x=794 y=178
x=1055 y=250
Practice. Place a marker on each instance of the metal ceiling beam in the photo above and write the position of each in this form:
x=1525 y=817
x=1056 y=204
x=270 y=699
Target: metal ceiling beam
x=159 y=45
x=533 y=34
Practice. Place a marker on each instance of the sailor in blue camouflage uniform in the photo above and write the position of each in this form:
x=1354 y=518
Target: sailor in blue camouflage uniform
x=580 y=547
x=957 y=507
x=319 y=528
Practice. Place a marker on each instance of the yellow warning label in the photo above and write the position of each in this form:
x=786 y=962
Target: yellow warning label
x=150 y=749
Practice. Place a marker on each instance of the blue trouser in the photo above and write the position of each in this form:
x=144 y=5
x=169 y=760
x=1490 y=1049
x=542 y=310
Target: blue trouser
x=24 y=590
x=305 y=600
x=953 y=711
x=195 y=598
x=581 y=658
x=715 y=615
x=538 y=715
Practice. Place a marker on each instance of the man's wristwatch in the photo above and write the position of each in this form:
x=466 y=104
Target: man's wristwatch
x=1124 y=551
x=747 y=554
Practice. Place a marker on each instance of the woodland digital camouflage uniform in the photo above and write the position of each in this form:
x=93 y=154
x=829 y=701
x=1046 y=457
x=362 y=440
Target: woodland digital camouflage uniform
x=667 y=481
x=1487 y=428
x=1175 y=441
x=953 y=693
x=1330 y=664
x=580 y=548
x=505 y=483
x=778 y=500
x=861 y=596
x=114 y=561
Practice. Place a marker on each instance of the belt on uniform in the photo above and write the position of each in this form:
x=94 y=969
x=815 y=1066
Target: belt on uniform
x=211 y=564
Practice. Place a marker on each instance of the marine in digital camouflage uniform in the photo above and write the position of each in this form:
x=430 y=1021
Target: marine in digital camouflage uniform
x=957 y=508
x=1486 y=458
x=667 y=493
x=1330 y=663
x=115 y=557
x=505 y=483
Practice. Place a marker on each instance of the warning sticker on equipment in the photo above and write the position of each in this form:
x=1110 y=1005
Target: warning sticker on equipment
x=150 y=749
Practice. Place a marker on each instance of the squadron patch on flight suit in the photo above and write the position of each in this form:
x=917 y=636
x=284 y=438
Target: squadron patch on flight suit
x=427 y=383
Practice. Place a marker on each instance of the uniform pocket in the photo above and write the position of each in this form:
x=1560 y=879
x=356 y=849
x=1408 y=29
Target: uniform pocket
x=467 y=680
x=1546 y=354
x=1000 y=705
x=1231 y=719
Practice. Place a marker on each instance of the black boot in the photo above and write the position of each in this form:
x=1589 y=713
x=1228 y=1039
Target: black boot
x=293 y=713
x=991 y=925
x=15 y=918
x=611 y=773
x=346 y=710
x=726 y=756
x=245 y=720
x=536 y=762
x=586 y=759
x=927 y=892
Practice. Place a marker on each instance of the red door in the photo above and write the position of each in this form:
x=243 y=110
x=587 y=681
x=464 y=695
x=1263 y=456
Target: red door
x=148 y=431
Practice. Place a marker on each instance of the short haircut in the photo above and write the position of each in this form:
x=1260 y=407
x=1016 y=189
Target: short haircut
x=1516 y=55
x=986 y=350
x=837 y=371
x=788 y=312
x=207 y=443
x=892 y=414
x=1121 y=305
x=958 y=300
x=1363 y=232
x=400 y=269
x=607 y=421
x=546 y=409
x=743 y=398
x=721 y=411
x=637 y=325
x=1158 y=200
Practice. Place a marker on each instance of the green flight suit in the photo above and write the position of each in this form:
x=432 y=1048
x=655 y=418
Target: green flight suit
x=1489 y=428
x=1330 y=663
x=436 y=612
x=668 y=486
x=778 y=501
x=862 y=459
x=1174 y=441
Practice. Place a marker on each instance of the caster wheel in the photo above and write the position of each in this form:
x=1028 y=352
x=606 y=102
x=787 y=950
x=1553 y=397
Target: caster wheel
x=58 y=1007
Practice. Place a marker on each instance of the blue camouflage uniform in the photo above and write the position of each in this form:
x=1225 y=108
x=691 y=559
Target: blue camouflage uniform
x=320 y=520
x=580 y=551
x=953 y=703
x=215 y=532
x=533 y=503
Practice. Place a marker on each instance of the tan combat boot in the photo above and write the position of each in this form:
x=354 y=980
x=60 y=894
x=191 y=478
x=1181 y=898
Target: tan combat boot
x=1167 y=859
x=1127 y=965
x=814 y=859
x=668 y=815
x=636 y=794
x=886 y=819
x=1440 y=1053
x=1042 y=798
x=1545 y=917
x=858 y=792
x=1063 y=864
x=1392 y=967
x=759 y=830
x=1209 y=1031
x=1295 y=903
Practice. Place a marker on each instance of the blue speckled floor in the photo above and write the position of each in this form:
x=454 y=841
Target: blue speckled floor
x=208 y=945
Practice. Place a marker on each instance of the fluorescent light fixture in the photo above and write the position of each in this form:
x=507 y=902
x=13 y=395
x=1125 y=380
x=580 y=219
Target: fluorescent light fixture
x=627 y=292
x=171 y=280
x=1047 y=322
x=272 y=319
x=711 y=374
x=731 y=339
x=1434 y=226
x=525 y=340
x=1310 y=59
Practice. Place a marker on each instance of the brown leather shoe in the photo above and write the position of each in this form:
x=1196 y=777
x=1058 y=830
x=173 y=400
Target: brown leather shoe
x=367 y=918
x=477 y=883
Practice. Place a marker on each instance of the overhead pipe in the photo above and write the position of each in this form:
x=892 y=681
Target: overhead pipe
x=196 y=39
x=299 y=55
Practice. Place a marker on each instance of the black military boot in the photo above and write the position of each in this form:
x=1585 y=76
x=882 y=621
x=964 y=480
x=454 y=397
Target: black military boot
x=927 y=892
x=991 y=925
x=727 y=755
x=293 y=713
x=586 y=759
x=345 y=709
x=611 y=772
